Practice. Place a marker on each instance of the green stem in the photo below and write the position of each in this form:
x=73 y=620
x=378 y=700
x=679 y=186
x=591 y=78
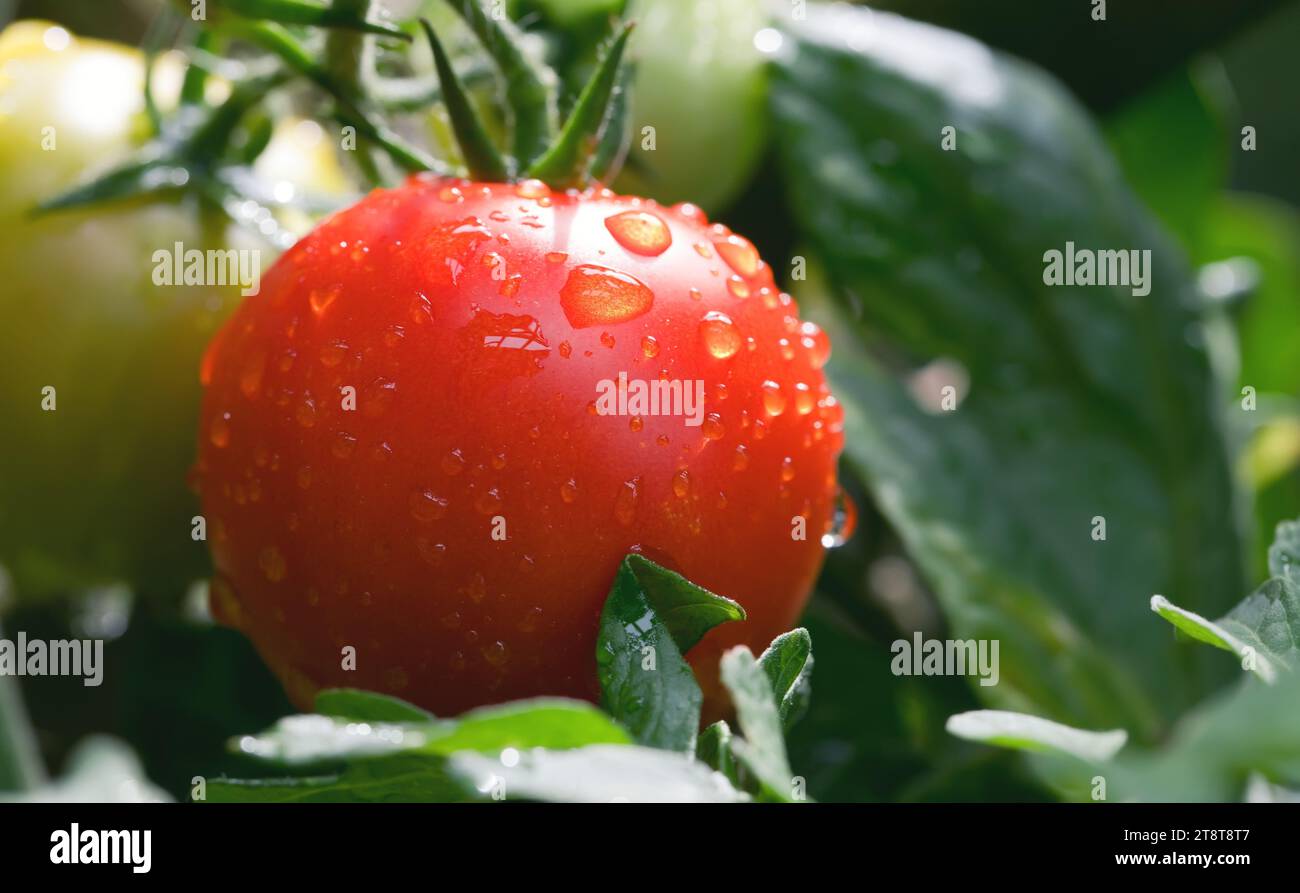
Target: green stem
x=20 y=759
x=481 y=156
x=530 y=93
x=568 y=162
x=277 y=40
x=295 y=12
x=196 y=78
x=348 y=57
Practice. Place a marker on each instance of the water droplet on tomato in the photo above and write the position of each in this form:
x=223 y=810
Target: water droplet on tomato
x=804 y=401
x=569 y=491
x=844 y=519
x=421 y=309
x=625 y=502
x=271 y=561
x=773 y=399
x=306 y=412
x=343 y=445
x=378 y=397
x=741 y=461
x=532 y=189
x=739 y=253
x=496 y=654
x=426 y=505
x=720 y=336
x=640 y=232
x=431 y=552
x=649 y=346
x=682 y=484
x=737 y=287
x=712 y=428
x=787 y=469
x=219 y=433
x=814 y=340
x=556 y=257
x=453 y=463
x=528 y=623
x=321 y=298
x=488 y=502
x=250 y=377
x=593 y=295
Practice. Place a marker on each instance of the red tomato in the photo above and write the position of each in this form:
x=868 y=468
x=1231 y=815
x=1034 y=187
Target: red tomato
x=460 y=523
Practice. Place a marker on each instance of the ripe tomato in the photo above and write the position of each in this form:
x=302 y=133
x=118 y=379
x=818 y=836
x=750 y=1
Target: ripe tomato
x=459 y=525
x=89 y=491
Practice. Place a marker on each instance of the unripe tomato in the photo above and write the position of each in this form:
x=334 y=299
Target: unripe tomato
x=698 y=94
x=699 y=84
x=406 y=448
x=99 y=397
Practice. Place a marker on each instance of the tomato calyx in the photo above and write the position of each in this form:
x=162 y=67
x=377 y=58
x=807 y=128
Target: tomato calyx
x=569 y=157
x=206 y=150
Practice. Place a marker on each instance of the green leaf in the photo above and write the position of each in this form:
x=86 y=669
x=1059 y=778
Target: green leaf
x=1023 y=732
x=714 y=750
x=1223 y=634
x=597 y=774
x=1265 y=232
x=652 y=617
x=314 y=739
x=353 y=703
x=1252 y=729
x=762 y=750
x=1284 y=554
x=541 y=722
x=1264 y=629
x=140 y=178
x=1185 y=109
x=1080 y=402
x=788 y=663
x=1247 y=731
x=367 y=754
x=407 y=778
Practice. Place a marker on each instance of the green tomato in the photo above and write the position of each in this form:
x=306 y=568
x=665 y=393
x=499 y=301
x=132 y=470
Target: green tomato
x=699 y=84
x=100 y=393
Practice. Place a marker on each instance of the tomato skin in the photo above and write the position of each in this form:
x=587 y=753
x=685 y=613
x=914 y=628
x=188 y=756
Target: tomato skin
x=94 y=491
x=373 y=527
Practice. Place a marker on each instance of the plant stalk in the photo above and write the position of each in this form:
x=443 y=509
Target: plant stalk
x=20 y=759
